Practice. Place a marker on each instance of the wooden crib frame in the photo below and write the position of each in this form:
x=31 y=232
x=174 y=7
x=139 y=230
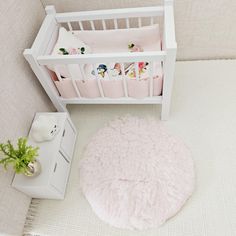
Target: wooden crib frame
x=39 y=56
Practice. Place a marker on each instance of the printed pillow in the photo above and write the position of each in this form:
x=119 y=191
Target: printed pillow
x=68 y=44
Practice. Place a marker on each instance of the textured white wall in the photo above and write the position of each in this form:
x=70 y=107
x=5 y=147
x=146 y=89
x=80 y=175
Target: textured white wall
x=205 y=29
x=20 y=97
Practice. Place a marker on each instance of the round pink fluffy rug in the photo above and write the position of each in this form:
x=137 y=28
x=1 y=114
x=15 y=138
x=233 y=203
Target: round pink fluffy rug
x=135 y=175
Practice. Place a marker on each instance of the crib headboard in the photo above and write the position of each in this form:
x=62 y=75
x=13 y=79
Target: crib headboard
x=110 y=19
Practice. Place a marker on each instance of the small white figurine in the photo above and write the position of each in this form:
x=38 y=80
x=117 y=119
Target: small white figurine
x=44 y=128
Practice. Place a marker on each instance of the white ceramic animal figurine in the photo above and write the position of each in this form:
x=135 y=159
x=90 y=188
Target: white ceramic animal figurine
x=44 y=128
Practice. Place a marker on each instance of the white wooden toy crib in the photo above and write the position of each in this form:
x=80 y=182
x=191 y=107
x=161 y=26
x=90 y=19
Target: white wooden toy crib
x=118 y=26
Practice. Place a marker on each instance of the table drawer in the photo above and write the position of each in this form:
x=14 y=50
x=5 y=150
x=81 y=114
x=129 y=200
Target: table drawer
x=68 y=140
x=60 y=173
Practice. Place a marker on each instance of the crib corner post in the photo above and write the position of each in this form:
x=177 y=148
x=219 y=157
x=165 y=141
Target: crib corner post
x=63 y=108
x=170 y=47
x=50 y=9
x=169 y=68
x=169 y=2
x=45 y=80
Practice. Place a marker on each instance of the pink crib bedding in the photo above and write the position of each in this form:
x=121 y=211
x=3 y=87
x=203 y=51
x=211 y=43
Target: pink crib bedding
x=111 y=88
x=116 y=40
x=110 y=41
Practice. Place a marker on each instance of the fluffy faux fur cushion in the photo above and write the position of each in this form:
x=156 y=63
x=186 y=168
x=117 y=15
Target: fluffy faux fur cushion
x=135 y=175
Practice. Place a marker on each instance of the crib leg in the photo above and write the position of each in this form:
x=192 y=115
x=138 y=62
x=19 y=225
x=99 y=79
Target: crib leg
x=63 y=108
x=165 y=110
x=45 y=80
x=169 y=67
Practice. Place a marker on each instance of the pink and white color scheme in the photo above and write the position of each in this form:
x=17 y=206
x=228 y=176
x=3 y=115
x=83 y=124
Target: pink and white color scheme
x=111 y=78
x=40 y=58
x=135 y=175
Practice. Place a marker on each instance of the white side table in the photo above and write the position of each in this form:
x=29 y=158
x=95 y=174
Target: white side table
x=55 y=157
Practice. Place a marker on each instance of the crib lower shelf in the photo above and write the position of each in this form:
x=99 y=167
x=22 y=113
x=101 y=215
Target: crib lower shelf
x=125 y=100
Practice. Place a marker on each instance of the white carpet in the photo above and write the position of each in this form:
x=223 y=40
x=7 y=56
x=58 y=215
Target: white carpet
x=204 y=117
x=135 y=174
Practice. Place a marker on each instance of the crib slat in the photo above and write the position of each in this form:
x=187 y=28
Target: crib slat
x=151 y=75
x=151 y=20
x=98 y=80
x=81 y=25
x=109 y=70
x=136 y=70
x=127 y=23
x=69 y=26
x=139 y=22
x=92 y=25
x=104 y=25
x=57 y=73
x=124 y=79
x=82 y=71
x=115 y=23
x=73 y=77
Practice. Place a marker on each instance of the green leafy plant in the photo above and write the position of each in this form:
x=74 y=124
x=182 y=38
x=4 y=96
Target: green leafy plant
x=18 y=157
x=82 y=50
x=130 y=46
x=63 y=51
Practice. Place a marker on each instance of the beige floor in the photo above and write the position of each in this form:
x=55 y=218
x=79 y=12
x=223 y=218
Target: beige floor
x=204 y=116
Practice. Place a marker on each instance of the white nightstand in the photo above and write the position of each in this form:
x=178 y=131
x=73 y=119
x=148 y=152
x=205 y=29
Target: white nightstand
x=55 y=157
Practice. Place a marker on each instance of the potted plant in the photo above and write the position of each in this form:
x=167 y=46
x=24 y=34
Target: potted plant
x=22 y=158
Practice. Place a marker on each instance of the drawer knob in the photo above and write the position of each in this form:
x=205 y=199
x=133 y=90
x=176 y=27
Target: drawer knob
x=64 y=131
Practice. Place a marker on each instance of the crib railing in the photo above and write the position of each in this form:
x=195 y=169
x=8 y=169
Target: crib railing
x=101 y=17
x=102 y=57
x=73 y=62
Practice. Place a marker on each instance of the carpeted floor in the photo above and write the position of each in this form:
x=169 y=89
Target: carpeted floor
x=203 y=115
